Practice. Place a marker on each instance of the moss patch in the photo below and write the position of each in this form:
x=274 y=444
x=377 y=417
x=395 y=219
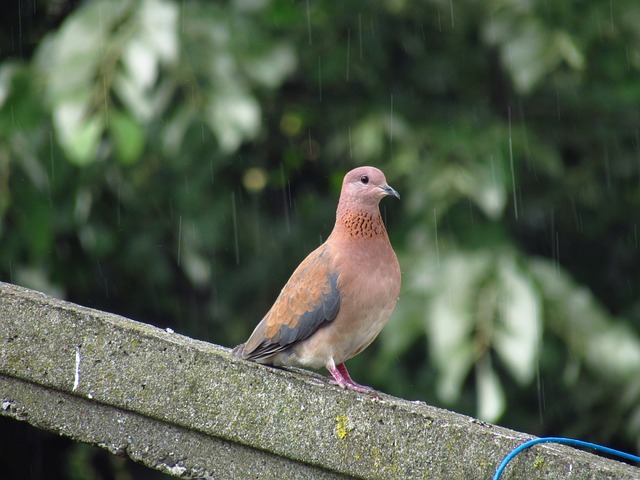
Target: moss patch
x=342 y=427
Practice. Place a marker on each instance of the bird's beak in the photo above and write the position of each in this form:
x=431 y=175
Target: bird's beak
x=389 y=191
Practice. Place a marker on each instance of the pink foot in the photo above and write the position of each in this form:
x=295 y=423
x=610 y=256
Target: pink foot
x=343 y=379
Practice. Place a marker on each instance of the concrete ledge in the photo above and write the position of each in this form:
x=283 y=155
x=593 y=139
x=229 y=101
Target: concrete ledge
x=169 y=448
x=189 y=408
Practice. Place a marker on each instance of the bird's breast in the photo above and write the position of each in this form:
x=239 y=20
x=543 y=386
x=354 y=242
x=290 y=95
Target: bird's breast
x=369 y=290
x=369 y=271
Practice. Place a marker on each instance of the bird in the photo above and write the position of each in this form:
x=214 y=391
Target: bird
x=340 y=297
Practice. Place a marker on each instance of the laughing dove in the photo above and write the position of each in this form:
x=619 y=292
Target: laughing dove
x=341 y=296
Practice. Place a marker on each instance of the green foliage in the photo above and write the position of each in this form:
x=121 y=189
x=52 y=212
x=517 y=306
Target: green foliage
x=173 y=161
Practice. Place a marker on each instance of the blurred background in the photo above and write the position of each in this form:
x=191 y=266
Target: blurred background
x=173 y=162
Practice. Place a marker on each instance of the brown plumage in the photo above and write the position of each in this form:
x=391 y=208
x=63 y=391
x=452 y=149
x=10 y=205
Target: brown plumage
x=341 y=296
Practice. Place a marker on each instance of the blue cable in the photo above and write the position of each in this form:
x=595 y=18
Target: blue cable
x=564 y=441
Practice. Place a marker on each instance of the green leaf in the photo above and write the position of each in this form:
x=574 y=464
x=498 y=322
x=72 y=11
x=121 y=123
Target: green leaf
x=78 y=134
x=191 y=260
x=569 y=50
x=529 y=56
x=38 y=279
x=451 y=321
x=454 y=357
x=20 y=100
x=518 y=332
x=175 y=128
x=133 y=98
x=70 y=58
x=7 y=73
x=35 y=222
x=128 y=137
x=141 y=64
x=490 y=394
x=270 y=68
x=368 y=137
x=83 y=147
x=609 y=346
x=159 y=28
x=154 y=42
x=233 y=116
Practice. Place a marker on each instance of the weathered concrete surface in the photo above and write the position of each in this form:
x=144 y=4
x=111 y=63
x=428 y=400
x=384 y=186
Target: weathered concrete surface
x=169 y=448
x=189 y=408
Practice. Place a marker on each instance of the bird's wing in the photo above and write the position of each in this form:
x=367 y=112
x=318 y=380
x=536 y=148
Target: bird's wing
x=309 y=299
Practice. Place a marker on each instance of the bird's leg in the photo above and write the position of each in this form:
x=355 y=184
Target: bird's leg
x=343 y=379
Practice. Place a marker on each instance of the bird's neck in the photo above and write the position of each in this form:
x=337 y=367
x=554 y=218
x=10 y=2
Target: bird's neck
x=358 y=224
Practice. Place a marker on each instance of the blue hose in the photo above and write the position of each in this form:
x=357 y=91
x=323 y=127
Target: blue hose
x=565 y=441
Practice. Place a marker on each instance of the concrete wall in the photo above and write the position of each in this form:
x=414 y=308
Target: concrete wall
x=189 y=408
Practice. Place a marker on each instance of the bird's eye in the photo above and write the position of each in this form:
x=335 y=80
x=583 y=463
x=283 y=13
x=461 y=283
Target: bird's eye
x=364 y=179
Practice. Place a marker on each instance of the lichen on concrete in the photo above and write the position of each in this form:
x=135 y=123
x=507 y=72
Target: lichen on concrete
x=198 y=411
x=343 y=427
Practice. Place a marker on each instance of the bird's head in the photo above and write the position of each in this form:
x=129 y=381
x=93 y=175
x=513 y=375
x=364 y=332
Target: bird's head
x=365 y=187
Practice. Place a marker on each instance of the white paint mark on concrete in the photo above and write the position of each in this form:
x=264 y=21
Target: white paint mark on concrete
x=76 y=380
x=176 y=470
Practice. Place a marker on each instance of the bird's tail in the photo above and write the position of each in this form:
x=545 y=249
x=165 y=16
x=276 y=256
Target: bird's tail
x=238 y=351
